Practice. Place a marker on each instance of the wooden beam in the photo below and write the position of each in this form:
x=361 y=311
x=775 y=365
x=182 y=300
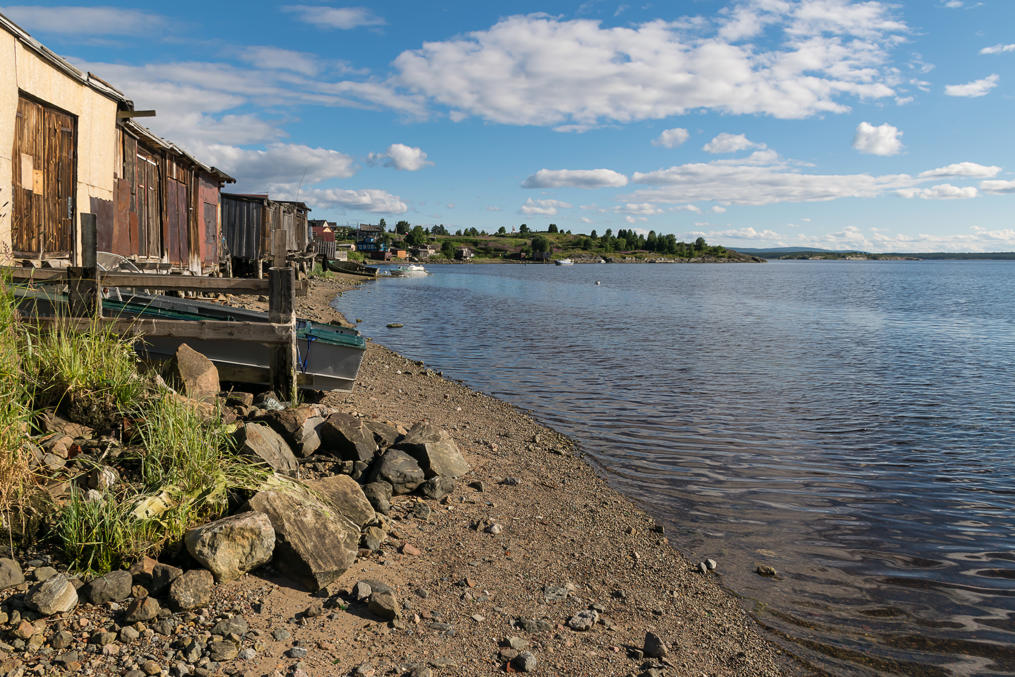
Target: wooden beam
x=282 y=311
x=236 y=285
x=125 y=114
x=255 y=332
x=39 y=275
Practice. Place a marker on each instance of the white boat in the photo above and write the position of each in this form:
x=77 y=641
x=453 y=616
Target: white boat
x=564 y=262
x=408 y=270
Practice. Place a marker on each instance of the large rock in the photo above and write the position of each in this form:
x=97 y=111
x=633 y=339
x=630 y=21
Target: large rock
x=261 y=441
x=10 y=573
x=113 y=587
x=399 y=470
x=348 y=438
x=55 y=595
x=191 y=590
x=347 y=497
x=298 y=427
x=434 y=450
x=385 y=433
x=379 y=495
x=154 y=576
x=232 y=546
x=314 y=544
x=196 y=374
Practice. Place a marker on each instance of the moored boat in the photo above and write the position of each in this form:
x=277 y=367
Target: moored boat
x=408 y=270
x=564 y=262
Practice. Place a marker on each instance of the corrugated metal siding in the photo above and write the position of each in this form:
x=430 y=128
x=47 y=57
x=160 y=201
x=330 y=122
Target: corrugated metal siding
x=242 y=227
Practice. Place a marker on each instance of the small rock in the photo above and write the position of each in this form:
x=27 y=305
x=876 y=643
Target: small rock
x=246 y=654
x=55 y=595
x=765 y=570
x=297 y=652
x=372 y=538
x=362 y=591
x=517 y=643
x=400 y=470
x=379 y=495
x=24 y=630
x=236 y=625
x=422 y=511
x=702 y=568
x=437 y=488
x=151 y=667
x=583 y=620
x=711 y=564
x=102 y=637
x=191 y=590
x=61 y=640
x=43 y=573
x=222 y=650
x=654 y=646
x=142 y=609
x=384 y=604
x=281 y=635
x=494 y=529
x=410 y=549
x=231 y=546
x=113 y=587
x=10 y=573
x=128 y=634
x=524 y=662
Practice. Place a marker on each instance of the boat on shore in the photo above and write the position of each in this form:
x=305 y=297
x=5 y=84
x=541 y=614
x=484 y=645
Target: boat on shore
x=564 y=262
x=328 y=355
x=351 y=267
x=408 y=270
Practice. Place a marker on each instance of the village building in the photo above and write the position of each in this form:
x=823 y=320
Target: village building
x=72 y=158
x=371 y=241
x=256 y=228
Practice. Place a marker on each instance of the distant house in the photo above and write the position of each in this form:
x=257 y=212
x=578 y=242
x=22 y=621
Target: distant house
x=423 y=252
x=463 y=253
x=252 y=224
x=323 y=234
x=370 y=240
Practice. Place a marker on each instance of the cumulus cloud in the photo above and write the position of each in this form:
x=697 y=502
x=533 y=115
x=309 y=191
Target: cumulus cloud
x=400 y=156
x=575 y=178
x=671 y=138
x=944 y=191
x=343 y=18
x=543 y=207
x=997 y=49
x=880 y=140
x=572 y=74
x=638 y=209
x=275 y=58
x=85 y=20
x=717 y=209
x=974 y=89
x=747 y=233
x=967 y=169
x=730 y=143
x=280 y=163
x=997 y=187
x=366 y=200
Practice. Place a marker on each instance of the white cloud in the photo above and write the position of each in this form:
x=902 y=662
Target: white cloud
x=573 y=74
x=280 y=163
x=747 y=233
x=880 y=140
x=730 y=143
x=944 y=191
x=400 y=156
x=638 y=209
x=997 y=49
x=365 y=200
x=274 y=58
x=343 y=18
x=718 y=210
x=953 y=4
x=671 y=138
x=974 y=89
x=85 y=20
x=575 y=178
x=686 y=208
x=968 y=169
x=492 y=208
x=543 y=207
x=450 y=205
x=997 y=187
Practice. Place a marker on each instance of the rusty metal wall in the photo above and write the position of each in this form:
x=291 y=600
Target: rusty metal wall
x=243 y=227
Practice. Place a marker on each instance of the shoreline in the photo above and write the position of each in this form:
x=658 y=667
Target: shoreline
x=568 y=541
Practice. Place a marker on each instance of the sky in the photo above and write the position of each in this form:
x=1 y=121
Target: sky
x=880 y=126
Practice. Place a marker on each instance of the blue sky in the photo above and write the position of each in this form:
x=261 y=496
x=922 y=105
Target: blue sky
x=884 y=126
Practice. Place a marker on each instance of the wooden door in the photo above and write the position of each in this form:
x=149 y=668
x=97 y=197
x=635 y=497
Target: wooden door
x=45 y=167
x=210 y=243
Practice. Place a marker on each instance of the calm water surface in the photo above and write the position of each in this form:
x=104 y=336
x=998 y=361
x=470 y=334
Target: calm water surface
x=849 y=423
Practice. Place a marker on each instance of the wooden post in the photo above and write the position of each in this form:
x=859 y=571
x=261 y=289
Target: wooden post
x=83 y=281
x=282 y=310
x=278 y=248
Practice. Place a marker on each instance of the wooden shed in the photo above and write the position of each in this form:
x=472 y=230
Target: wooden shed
x=251 y=224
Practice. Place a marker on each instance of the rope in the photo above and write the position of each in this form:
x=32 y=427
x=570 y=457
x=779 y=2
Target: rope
x=306 y=357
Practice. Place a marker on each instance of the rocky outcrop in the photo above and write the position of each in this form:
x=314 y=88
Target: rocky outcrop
x=231 y=546
x=197 y=375
x=314 y=545
x=434 y=450
x=261 y=441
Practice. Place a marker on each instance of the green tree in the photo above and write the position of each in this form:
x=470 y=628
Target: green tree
x=402 y=227
x=540 y=246
x=383 y=224
x=439 y=230
x=552 y=228
x=502 y=230
x=448 y=249
x=699 y=244
x=416 y=237
x=593 y=234
x=524 y=228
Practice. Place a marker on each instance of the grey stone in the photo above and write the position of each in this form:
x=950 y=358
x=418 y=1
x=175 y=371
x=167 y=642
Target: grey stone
x=362 y=591
x=298 y=426
x=191 y=590
x=197 y=375
x=434 y=450
x=297 y=652
x=113 y=587
x=372 y=538
x=142 y=610
x=314 y=545
x=237 y=625
x=438 y=487
x=346 y=496
x=524 y=662
x=702 y=568
x=232 y=546
x=583 y=620
x=261 y=441
x=379 y=495
x=385 y=434
x=61 y=640
x=246 y=654
x=10 y=573
x=102 y=478
x=400 y=470
x=281 y=635
x=55 y=595
x=102 y=637
x=153 y=575
x=654 y=646
x=517 y=643
x=42 y=573
x=383 y=604
x=711 y=564
x=128 y=634
x=348 y=438
x=221 y=650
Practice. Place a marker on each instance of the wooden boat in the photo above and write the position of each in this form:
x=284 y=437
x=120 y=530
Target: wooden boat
x=351 y=267
x=408 y=270
x=328 y=356
x=564 y=262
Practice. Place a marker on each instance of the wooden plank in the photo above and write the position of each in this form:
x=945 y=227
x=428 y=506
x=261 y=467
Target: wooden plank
x=223 y=285
x=254 y=332
x=282 y=310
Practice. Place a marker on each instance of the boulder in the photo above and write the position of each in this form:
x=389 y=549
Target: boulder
x=142 y=609
x=261 y=441
x=379 y=495
x=197 y=375
x=438 y=487
x=346 y=496
x=232 y=546
x=113 y=587
x=154 y=576
x=385 y=433
x=434 y=450
x=348 y=438
x=399 y=470
x=55 y=595
x=191 y=590
x=10 y=573
x=298 y=427
x=314 y=544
